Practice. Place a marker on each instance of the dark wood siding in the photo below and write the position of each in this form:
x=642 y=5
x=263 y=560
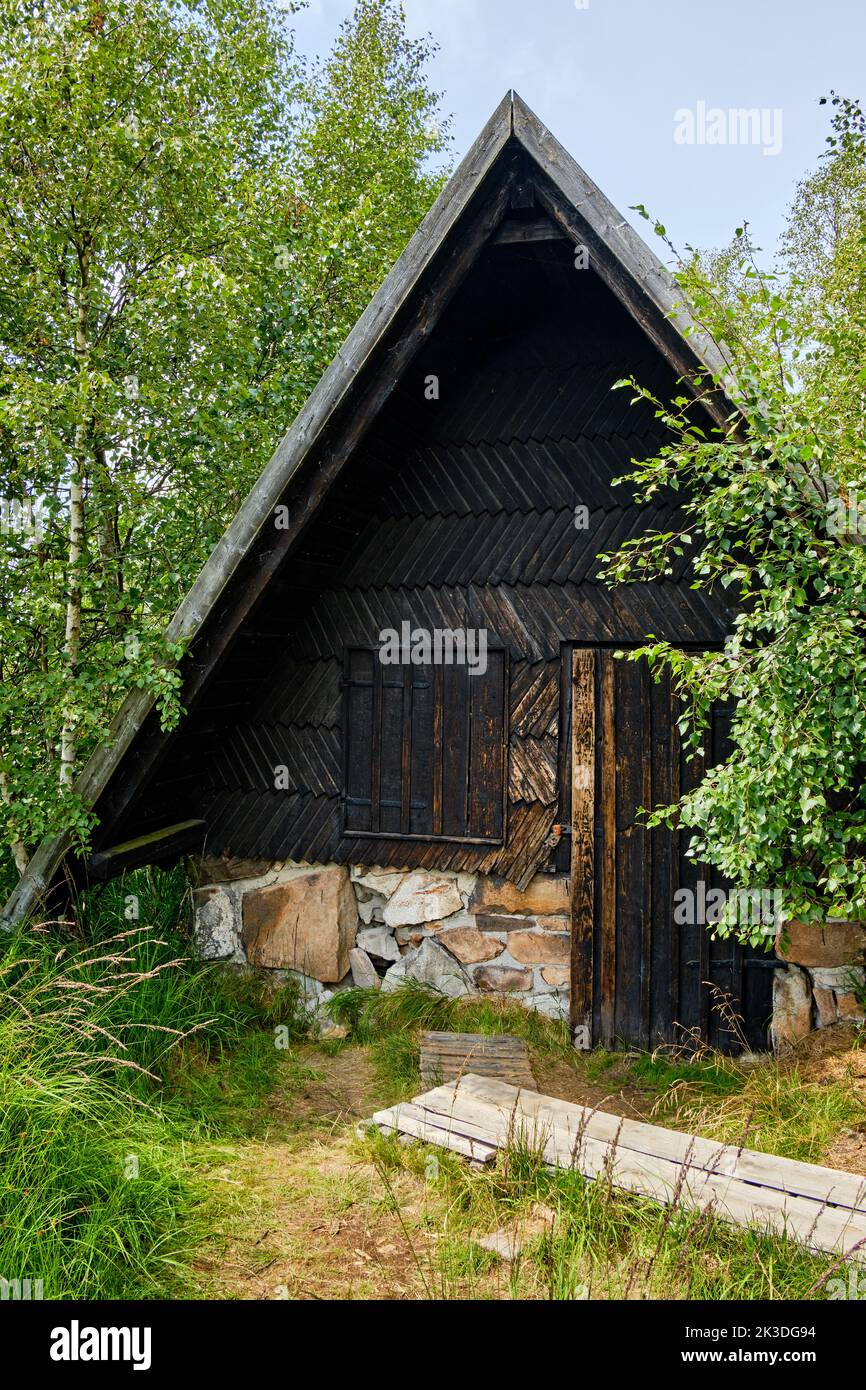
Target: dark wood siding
x=456 y=512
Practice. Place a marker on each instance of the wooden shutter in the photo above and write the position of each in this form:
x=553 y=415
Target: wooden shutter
x=425 y=750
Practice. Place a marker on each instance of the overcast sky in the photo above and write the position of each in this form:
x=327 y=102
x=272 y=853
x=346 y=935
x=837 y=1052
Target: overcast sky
x=609 y=79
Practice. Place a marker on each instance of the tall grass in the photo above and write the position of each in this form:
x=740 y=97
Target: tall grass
x=776 y=1109
x=95 y=1197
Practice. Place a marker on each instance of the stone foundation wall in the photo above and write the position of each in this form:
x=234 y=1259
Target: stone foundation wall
x=820 y=983
x=331 y=927
x=822 y=980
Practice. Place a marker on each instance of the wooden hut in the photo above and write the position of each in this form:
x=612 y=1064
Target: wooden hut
x=408 y=736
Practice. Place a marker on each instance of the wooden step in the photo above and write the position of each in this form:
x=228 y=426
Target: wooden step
x=447 y=1056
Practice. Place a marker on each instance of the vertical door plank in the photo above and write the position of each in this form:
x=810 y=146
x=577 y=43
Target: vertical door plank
x=582 y=837
x=693 y=1011
x=646 y=853
x=358 y=716
x=455 y=739
x=632 y=749
x=376 y=754
x=607 y=942
x=390 y=752
x=406 y=752
x=425 y=753
x=675 y=879
x=663 y=933
x=438 y=747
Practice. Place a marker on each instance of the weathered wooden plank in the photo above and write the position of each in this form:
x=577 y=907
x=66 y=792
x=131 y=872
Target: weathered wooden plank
x=646 y=855
x=480 y=1111
x=539 y=229
x=439 y=750
x=462 y=1054
x=435 y=1129
x=802 y=1179
x=582 y=839
x=406 y=752
x=455 y=727
x=458 y=1049
x=607 y=925
x=664 y=936
x=631 y=746
x=440 y=1073
x=446 y=1056
x=487 y=1040
x=814 y=1221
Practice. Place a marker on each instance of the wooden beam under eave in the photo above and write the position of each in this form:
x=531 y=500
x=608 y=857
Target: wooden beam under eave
x=157 y=847
x=539 y=229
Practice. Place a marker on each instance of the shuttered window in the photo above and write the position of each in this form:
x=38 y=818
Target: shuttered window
x=425 y=750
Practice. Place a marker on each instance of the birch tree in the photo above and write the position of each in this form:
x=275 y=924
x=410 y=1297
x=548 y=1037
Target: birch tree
x=190 y=219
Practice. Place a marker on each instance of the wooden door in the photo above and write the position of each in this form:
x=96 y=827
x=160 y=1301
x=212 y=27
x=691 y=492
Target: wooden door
x=639 y=977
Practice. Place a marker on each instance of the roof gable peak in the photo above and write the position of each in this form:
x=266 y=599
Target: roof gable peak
x=471 y=209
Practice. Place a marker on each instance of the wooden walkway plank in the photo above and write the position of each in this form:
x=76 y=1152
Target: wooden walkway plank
x=769 y=1170
x=823 y=1227
x=477 y=1115
x=420 y=1124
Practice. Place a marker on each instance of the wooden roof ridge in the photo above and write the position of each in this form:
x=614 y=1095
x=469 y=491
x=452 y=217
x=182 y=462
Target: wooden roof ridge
x=575 y=203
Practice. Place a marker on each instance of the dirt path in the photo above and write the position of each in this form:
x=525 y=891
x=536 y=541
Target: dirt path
x=304 y=1213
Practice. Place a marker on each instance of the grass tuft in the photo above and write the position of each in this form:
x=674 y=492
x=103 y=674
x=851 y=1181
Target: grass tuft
x=392 y=1023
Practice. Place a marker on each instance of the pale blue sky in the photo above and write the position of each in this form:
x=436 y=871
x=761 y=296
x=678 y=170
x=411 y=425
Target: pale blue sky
x=609 y=78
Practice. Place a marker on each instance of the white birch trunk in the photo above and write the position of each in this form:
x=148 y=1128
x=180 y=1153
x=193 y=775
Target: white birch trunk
x=72 y=640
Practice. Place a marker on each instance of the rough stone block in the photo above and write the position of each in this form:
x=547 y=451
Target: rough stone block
x=422 y=897
x=470 y=946
x=215 y=930
x=547 y=894
x=429 y=964
x=824 y=944
x=499 y=923
x=364 y=973
x=383 y=881
x=502 y=979
x=539 y=948
x=792 y=1006
x=307 y=923
x=379 y=942
x=557 y=975
x=825 y=1003
x=841 y=978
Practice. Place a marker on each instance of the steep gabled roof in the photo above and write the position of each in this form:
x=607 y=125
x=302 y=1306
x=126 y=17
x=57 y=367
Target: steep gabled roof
x=396 y=322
